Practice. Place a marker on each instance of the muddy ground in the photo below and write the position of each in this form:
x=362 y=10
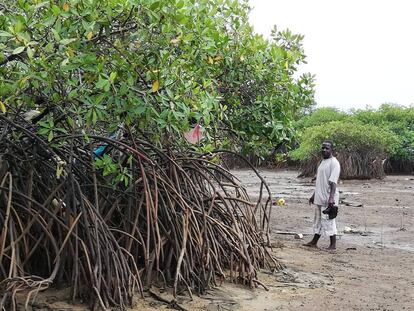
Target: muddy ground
x=372 y=269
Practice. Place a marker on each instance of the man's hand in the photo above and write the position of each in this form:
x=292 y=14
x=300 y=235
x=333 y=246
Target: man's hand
x=331 y=202
x=311 y=199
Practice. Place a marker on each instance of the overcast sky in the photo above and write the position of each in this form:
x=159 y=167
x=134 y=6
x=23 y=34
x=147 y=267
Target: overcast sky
x=361 y=51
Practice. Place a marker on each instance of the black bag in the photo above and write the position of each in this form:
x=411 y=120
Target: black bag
x=332 y=211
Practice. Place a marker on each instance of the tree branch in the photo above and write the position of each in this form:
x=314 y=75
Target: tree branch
x=9 y=59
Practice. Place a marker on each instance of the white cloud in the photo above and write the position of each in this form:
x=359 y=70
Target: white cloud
x=361 y=51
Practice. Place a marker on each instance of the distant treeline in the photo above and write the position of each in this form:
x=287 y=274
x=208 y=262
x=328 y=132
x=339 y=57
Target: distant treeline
x=368 y=143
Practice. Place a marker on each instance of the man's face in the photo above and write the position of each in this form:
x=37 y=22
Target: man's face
x=326 y=150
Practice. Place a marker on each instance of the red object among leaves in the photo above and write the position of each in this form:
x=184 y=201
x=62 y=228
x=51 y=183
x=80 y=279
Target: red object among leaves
x=195 y=135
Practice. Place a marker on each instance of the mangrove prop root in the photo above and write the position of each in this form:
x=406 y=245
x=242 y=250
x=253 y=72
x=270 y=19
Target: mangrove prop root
x=180 y=221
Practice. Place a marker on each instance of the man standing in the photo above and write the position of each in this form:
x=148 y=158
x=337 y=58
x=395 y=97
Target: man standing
x=325 y=196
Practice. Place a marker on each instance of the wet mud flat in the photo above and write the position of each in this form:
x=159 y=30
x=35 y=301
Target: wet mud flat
x=373 y=266
x=372 y=269
x=372 y=213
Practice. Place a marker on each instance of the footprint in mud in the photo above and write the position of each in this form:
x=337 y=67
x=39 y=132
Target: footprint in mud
x=289 y=277
x=228 y=298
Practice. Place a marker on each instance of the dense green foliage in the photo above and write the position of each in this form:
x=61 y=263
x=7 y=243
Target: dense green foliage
x=153 y=66
x=347 y=136
x=320 y=116
x=388 y=129
x=398 y=120
x=387 y=132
